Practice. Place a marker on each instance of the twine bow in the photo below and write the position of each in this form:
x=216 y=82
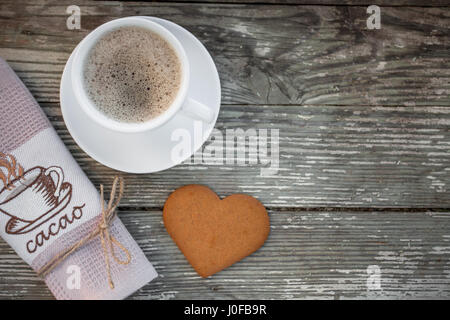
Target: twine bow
x=102 y=230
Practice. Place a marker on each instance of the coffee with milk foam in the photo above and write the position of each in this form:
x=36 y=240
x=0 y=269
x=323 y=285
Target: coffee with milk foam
x=132 y=75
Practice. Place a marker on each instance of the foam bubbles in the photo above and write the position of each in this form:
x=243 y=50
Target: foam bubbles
x=132 y=75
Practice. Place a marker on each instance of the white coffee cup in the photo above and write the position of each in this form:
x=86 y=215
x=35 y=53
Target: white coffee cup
x=181 y=103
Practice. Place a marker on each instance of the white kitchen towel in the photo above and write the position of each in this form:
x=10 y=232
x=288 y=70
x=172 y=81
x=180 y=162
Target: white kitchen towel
x=47 y=204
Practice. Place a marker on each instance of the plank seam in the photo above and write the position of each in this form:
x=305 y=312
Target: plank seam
x=317 y=209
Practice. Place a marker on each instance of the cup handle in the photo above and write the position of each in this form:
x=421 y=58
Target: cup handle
x=197 y=110
x=60 y=175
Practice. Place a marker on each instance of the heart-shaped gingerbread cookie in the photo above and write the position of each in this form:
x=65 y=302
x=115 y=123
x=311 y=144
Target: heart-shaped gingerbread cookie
x=212 y=233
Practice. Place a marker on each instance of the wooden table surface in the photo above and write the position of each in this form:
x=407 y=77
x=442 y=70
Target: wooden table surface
x=364 y=137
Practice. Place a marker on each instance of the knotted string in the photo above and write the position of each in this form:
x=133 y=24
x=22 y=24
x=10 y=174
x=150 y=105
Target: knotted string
x=102 y=230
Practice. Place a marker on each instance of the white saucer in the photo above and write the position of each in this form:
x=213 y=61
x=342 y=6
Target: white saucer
x=149 y=151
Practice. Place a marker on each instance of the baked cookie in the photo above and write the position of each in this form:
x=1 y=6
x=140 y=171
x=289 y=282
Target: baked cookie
x=212 y=233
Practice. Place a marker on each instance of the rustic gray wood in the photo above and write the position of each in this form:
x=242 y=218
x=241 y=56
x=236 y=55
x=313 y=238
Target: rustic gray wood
x=364 y=130
x=389 y=3
x=265 y=54
x=330 y=156
x=309 y=254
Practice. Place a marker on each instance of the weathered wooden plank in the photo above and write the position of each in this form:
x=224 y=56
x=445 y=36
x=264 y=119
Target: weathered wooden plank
x=308 y=254
x=330 y=156
x=396 y=3
x=265 y=54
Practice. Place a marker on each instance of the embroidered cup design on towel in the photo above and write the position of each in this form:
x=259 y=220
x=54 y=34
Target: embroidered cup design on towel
x=32 y=197
x=27 y=135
